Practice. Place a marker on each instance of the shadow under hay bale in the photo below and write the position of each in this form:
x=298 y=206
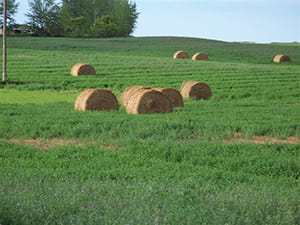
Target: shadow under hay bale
x=173 y=94
x=96 y=99
x=281 y=58
x=200 y=56
x=194 y=89
x=181 y=55
x=129 y=92
x=80 y=69
x=146 y=101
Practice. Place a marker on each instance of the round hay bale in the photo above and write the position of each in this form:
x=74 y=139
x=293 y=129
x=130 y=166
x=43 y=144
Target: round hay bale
x=180 y=55
x=82 y=69
x=96 y=99
x=173 y=94
x=145 y=101
x=281 y=58
x=194 y=89
x=129 y=92
x=200 y=56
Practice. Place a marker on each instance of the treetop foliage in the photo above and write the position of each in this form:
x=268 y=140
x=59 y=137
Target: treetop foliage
x=12 y=7
x=82 y=18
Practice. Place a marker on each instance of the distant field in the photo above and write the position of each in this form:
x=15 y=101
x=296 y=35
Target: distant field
x=285 y=44
x=234 y=159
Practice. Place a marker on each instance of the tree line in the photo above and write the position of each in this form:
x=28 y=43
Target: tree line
x=80 y=18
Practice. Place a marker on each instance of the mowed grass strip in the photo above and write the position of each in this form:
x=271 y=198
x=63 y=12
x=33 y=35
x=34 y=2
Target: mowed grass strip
x=13 y=96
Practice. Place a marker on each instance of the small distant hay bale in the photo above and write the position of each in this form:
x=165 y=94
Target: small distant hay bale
x=281 y=58
x=173 y=94
x=146 y=101
x=200 y=56
x=82 y=69
x=181 y=55
x=129 y=92
x=194 y=89
x=96 y=99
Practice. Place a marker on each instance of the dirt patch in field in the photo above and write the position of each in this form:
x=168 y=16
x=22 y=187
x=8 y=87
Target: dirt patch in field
x=108 y=147
x=47 y=144
x=236 y=137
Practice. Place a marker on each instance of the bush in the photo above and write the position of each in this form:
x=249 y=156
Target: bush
x=104 y=27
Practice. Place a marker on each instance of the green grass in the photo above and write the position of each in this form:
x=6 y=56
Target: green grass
x=196 y=183
x=149 y=169
x=13 y=96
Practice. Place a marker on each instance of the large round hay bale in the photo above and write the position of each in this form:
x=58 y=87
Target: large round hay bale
x=200 y=56
x=194 y=89
x=145 y=101
x=281 y=58
x=129 y=92
x=181 y=55
x=173 y=94
x=82 y=69
x=96 y=99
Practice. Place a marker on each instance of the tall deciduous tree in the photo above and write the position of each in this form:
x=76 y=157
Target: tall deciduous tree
x=45 y=17
x=103 y=18
x=105 y=27
x=100 y=18
x=125 y=16
x=77 y=15
x=12 y=7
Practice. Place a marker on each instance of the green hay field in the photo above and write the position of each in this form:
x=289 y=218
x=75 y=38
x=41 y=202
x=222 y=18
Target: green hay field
x=201 y=164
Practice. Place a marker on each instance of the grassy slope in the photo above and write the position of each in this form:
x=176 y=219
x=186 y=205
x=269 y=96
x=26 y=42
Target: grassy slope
x=150 y=169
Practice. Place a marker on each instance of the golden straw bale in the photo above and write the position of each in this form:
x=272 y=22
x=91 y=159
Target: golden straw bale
x=281 y=58
x=173 y=94
x=82 y=69
x=96 y=99
x=181 y=55
x=145 y=101
x=194 y=89
x=129 y=92
x=200 y=56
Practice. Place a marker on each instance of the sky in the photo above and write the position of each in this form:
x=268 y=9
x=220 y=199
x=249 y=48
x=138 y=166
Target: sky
x=261 y=21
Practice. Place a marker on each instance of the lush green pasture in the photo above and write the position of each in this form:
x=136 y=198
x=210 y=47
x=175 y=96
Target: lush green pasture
x=116 y=168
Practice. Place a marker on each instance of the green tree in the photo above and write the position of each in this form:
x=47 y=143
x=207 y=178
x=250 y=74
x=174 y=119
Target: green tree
x=125 y=16
x=78 y=26
x=105 y=27
x=45 y=17
x=77 y=16
x=103 y=18
x=102 y=8
x=12 y=7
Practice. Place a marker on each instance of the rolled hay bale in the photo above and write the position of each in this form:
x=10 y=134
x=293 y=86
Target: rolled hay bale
x=194 y=89
x=80 y=69
x=96 y=99
x=146 y=101
x=129 y=92
x=281 y=58
x=180 y=55
x=173 y=94
x=200 y=56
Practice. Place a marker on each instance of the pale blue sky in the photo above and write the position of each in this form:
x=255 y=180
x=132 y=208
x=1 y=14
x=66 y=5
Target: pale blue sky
x=228 y=20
